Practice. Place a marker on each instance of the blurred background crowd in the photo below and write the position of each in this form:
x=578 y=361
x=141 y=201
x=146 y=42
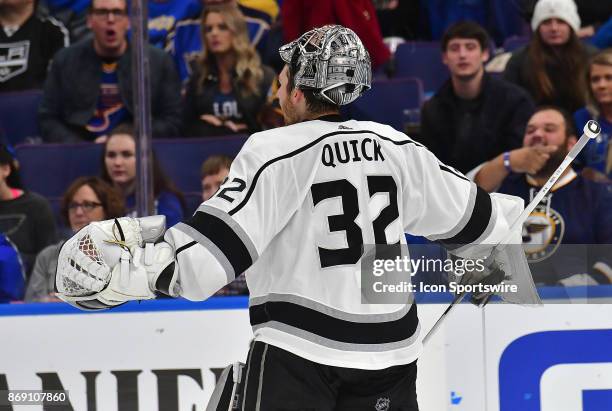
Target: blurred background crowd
x=498 y=89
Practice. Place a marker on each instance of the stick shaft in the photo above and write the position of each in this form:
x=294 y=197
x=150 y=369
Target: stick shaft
x=517 y=223
x=546 y=187
x=438 y=323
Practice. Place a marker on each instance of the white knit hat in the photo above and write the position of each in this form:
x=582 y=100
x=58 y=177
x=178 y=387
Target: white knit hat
x=565 y=10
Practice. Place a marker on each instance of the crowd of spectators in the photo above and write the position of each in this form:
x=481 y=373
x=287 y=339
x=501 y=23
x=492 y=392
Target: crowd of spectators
x=213 y=67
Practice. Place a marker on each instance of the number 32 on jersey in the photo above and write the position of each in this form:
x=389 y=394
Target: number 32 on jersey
x=345 y=222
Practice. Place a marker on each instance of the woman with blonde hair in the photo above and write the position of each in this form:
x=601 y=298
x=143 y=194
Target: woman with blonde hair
x=596 y=157
x=228 y=86
x=551 y=66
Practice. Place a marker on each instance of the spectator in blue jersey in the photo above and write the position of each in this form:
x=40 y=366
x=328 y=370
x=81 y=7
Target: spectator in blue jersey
x=89 y=89
x=87 y=199
x=474 y=116
x=119 y=169
x=12 y=274
x=575 y=212
x=229 y=86
x=185 y=42
x=603 y=37
x=596 y=157
x=165 y=14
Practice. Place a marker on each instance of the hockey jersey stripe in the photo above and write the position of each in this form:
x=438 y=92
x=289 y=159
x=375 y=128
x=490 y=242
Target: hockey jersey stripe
x=234 y=226
x=317 y=141
x=212 y=230
x=480 y=219
x=328 y=327
x=260 y=330
x=464 y=220
x=333 y=312
x=210 y=246
x=254 y=370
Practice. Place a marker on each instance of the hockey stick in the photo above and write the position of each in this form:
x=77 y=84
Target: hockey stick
x=591 y=131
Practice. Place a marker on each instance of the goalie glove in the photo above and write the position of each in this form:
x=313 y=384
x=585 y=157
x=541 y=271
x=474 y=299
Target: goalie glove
x=490 y=275
x=108 y=263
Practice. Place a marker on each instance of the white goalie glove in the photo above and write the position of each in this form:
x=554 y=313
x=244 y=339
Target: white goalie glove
x=108 y=263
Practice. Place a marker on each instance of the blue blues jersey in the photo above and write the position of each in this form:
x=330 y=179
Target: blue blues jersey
x=596 y=153
x=77 y=6
x=165 y=14
x=576 y=211
x=110 y=110
x=166 y=203
x=185 y=43
x=12 y=277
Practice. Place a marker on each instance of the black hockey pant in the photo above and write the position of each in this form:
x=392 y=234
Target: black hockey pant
x=277 y=380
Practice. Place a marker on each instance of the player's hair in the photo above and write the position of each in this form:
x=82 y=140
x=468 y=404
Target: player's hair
x=214 y=164
x=160 y=181
x=7 y=156
x=90 y=8
x=603 y=58
x=466 y=30
x=570 y=57
x=248 y=69
x=570 y=129
x=314 y=103
x=111 y=200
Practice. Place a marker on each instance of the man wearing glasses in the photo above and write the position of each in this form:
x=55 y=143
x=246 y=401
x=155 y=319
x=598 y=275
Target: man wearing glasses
x=89 y=89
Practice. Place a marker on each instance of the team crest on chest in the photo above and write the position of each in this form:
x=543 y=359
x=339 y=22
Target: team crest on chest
x=542 y=234
x=13 y=59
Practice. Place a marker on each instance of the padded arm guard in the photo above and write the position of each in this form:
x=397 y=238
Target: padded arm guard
x=108 y=263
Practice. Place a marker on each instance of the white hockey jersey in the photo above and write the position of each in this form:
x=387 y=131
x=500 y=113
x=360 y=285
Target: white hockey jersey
x=298 y=206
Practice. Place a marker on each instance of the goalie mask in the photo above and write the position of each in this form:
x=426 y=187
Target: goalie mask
x=331 y=60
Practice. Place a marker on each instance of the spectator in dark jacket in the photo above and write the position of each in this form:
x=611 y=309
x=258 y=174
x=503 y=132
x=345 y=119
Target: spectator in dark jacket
x=229 y=86
x=29 y=43
x=89 y=89
x=25 y=217
x=551 y=67
x=473 y=117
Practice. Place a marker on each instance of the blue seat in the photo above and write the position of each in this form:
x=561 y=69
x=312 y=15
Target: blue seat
x=48 y=169
x=181 y=159
x=18 y=115
x=386 y=101
x=422 y=60
x=514 y=42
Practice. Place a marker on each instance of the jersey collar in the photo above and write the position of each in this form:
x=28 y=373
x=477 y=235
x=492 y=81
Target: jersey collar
x=563 y=181
x=336 y=118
